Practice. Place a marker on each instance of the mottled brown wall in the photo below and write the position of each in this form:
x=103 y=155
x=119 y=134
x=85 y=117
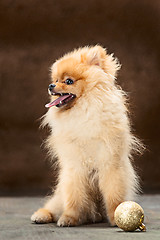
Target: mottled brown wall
x=32 y=35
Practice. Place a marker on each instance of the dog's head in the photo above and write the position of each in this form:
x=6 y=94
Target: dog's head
x=77 y=73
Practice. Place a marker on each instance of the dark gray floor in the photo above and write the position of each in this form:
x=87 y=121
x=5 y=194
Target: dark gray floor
x=15 y=223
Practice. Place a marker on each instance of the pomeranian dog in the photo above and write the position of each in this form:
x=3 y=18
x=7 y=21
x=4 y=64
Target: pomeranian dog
x=91 y=138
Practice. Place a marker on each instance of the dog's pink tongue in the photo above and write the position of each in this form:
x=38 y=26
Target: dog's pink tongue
x=56 y=102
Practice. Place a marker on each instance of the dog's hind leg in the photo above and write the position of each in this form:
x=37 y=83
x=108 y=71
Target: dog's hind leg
x=51 y=210
x=117 y=184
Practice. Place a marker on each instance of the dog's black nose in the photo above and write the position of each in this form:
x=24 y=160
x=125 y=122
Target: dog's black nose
x=51 y=86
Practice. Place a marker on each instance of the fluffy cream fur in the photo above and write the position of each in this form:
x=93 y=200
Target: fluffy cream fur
x=92 y=139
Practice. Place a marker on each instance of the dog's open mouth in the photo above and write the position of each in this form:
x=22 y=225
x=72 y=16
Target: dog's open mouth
x=63 y=99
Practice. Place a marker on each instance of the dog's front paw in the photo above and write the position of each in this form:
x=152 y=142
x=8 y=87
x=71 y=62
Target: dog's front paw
x=42 y=216
x=67 y=221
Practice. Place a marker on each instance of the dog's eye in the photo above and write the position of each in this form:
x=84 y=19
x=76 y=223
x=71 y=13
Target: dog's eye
x=69 y=81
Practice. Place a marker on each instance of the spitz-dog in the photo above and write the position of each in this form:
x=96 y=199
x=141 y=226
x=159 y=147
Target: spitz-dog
x=91 y=138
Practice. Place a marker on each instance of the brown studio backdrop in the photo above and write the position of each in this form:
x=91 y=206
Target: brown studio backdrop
x=32 y=35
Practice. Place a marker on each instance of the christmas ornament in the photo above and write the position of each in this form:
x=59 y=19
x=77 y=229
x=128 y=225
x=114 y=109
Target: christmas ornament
x=129 y=216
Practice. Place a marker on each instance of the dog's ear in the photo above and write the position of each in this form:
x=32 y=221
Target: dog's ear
x=95 y=56
x=99 y=57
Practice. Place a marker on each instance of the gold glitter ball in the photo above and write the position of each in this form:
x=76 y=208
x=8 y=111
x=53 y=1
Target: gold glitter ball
x=129 y=216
